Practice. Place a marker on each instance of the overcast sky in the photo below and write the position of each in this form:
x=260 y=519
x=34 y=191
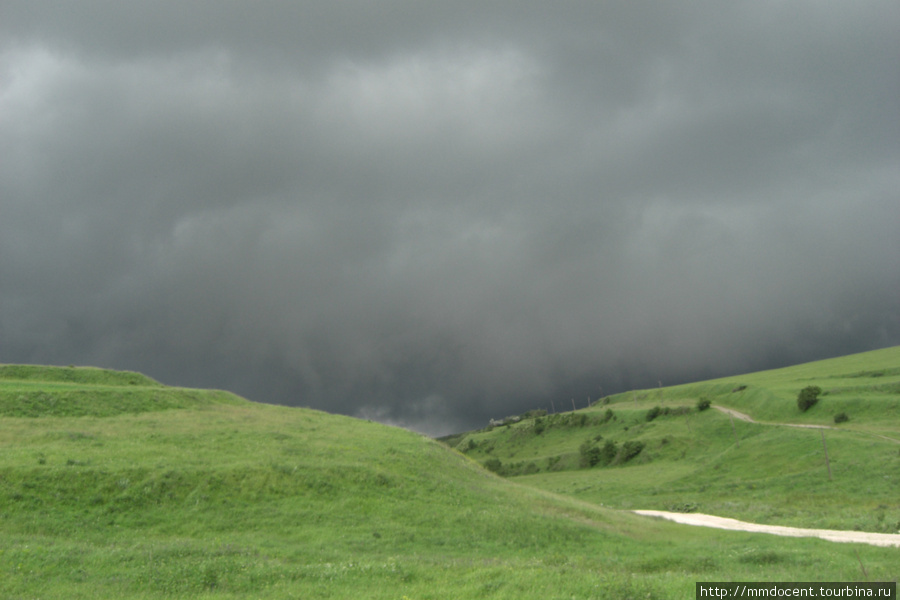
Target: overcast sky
x=434 y=213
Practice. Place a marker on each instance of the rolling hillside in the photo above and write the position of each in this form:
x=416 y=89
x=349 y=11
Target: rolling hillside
x=113 y=485
x=656 y=449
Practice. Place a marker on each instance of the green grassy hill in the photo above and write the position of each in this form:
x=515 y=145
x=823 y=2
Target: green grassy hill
x=113 y=485
x=687 y=459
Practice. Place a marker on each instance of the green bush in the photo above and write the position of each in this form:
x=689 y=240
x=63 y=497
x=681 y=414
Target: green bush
x=493 y=464
x=608 y=452
x=653 y=413
x=684 y=507
x=807 y=397
x=590 y=454
x=629 y=450
x=841 y=417
x=703 y=404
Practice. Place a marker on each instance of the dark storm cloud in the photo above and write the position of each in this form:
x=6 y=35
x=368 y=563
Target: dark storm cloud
x=433 y=214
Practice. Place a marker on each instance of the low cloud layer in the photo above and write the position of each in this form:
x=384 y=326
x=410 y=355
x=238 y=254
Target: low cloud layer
x=434 y=214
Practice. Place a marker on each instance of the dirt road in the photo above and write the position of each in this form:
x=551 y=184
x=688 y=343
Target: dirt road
x=859 y=537
x=749 y=419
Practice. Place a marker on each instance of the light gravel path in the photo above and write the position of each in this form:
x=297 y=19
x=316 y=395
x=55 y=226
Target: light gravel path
x=859 y=537
x=749 y=419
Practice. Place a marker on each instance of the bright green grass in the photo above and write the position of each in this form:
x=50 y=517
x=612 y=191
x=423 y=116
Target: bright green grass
x=708 y=462
x=39 y=391
x=228 y=499
x=866 y=386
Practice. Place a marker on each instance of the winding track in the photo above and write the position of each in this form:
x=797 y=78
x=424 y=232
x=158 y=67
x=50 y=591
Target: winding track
x=749 y=419
x=832 y=535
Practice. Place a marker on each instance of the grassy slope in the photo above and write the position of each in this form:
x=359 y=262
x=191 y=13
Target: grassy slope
x=771 y=474
x=154 y=492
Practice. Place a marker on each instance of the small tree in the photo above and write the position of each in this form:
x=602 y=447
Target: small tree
x=703 y=404
x=807 y=397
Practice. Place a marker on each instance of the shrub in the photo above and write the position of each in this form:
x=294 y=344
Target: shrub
x=807 y=397
x=684 y=507
x=841 y=417
x=574 y=420
x=653 y=413
x=493 y=464
x=630 y=449
x=590 y=454
x=531 y=414
x=703 y=404
x=608 y=415
x=538 y=426
x=608 y=452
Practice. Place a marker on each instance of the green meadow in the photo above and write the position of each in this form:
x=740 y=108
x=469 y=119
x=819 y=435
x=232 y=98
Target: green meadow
x=113 y=485
x=843 y=475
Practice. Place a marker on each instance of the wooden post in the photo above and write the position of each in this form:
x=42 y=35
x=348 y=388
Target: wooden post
x=827 y=462
x=865 y=573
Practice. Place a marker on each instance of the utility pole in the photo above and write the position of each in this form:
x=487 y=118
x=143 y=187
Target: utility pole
x=573 y=403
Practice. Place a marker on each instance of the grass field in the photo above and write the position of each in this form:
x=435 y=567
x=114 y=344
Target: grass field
x=113 y=485
x=710 y=462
